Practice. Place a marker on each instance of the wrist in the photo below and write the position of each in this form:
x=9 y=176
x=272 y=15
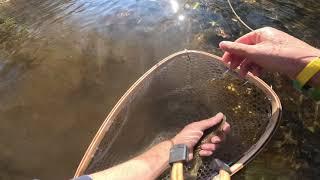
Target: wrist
x=315 y=80
x=166 y=145
x=164 y=152
x=173 y=141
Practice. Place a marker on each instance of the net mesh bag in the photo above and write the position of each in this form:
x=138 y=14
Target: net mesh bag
x=185 y=87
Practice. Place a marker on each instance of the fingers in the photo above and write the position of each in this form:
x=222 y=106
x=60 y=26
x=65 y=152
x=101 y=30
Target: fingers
x=190 y=156
x=188 y=136
x=232 y=59
x=227 y=57
x=244 y=68
x=207 y=123
x=191 y=134
x=226 y=128
x=245 y=65
x=250 y=38
x=209 y=147
x=205 y=153
x=236 y=61
x=221 y=137
x=237 y=48
x=236 y=52
x=217 y=139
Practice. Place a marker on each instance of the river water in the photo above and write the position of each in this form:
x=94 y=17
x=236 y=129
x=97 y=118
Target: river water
x=65 y=63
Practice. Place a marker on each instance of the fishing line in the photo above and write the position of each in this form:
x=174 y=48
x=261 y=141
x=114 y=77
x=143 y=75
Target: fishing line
x=238 y=17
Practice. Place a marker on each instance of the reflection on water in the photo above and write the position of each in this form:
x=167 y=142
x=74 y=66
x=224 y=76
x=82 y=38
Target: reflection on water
x=64 y=64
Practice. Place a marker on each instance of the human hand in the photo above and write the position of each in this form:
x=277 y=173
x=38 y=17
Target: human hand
x=192 y=133
x=269 y=49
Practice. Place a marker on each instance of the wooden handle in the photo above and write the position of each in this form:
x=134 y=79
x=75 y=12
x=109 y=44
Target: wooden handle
x=177 y=171
x=224 y=175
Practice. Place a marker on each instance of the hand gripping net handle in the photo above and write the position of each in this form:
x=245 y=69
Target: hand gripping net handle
x=198 y=81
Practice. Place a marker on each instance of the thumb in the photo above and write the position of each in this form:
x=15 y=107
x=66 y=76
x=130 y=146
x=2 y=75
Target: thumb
x=236 y=48
x=207 y=123
x=190 y=155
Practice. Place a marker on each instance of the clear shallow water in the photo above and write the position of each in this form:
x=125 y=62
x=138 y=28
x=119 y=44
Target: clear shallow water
x=64 y=64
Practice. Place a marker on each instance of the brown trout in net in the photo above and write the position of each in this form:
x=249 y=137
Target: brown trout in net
x=197 y=160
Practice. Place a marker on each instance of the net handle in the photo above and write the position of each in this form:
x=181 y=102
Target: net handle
x=276 y=112
x=224 y=175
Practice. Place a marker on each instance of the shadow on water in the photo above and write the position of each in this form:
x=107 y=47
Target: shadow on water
x=64 y=64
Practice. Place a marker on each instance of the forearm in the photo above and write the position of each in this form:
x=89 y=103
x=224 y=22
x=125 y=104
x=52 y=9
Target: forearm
x=149 y=165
